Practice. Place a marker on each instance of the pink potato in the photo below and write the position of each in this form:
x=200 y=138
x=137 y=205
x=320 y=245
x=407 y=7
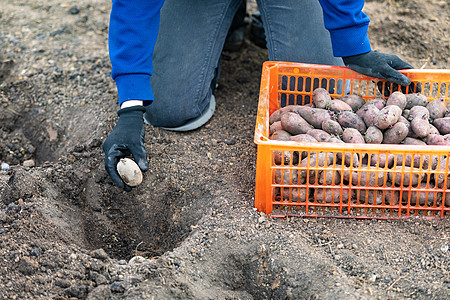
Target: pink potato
x=387 y=116
x=422 y=196
x=295 y=194
x=294 y=124
x=303 y=138
x=419 y=112
x=315 y=116
x=442 y=125
x=338 y=106
x=285 y=176
x=396 y=134
x=423 y=161
x=373 y=135
x=332 y=195
x=413 y=141
x=352 y=135
x=437 y=139
x=369 y=196
x=330 y=177
x=437 y=108
x=378 y=102
x=348 y=119
x=354 y=101
x=420 y=127
x=382 y=160
x=397 y=98
x=274 y=127
x=370 y=177
x=320 y=135
x=410 y=174
x=441 y=177
x=368 y=113
x=416 y=99
x=332 y=127
x=280 y=135
x=321 y=98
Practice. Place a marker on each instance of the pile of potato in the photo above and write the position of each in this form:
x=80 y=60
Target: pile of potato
x=400 y=119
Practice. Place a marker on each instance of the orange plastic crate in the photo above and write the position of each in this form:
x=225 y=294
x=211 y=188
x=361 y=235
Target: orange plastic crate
x=284 y=83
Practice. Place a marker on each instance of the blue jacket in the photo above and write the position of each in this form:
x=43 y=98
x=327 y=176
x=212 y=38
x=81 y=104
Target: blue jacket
x=134 y=25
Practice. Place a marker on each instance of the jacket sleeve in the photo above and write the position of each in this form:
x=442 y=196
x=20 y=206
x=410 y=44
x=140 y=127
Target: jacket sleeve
x=133 y=29
x=347 y=25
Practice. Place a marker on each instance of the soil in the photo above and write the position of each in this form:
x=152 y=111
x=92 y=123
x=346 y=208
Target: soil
x=190 y=230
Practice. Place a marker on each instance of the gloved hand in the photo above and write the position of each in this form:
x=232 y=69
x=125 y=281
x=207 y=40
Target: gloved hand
x=379 y=65
x=126 y=138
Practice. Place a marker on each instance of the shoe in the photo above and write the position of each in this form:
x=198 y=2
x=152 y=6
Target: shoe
x=235 y=37
x=235 y=40
x=257 y=34
x=196 y=122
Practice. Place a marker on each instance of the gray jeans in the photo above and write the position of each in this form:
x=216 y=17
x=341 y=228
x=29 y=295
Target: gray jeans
x=190 y=41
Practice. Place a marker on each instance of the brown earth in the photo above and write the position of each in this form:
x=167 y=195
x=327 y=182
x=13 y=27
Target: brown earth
x=190 y=230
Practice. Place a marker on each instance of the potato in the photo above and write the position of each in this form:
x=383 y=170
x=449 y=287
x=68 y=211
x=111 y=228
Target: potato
x=321 y=98
x=418 y=112
x=338 y=106
x=368 y=113
x=315 y=116
x=332 y=195
x=129 y=171
x=382 y=160
x=351 y=135
x=319 y=135
x=404 y=120
x=335 y=139
x=369 y=196
x=332 y=127
x=396 y=134
x=423 y=160
x=405 y=113
x=391 y=197
x=397 y=98
x=433 y=130
x=378 y=102
x=410 y=174
x=320 y=159
x=280 y=135
x=436 y=139
x=282 y=157
x=354 y=101
x=294 y=124
x=415 y=99
x=295 y=194
x=303 y=138
x=413 y=141
x=387 y=116
x=365 y=178
x=347 y=157
x=348 y=119
x=274 y=127
x=420 y=127
x=285 y=176
x=276 y=115
x=443 y=125
x=373 y=135
x=440 y=178
x=437 y=108
x=423 y=197
x=330 y=177
x=447 y=198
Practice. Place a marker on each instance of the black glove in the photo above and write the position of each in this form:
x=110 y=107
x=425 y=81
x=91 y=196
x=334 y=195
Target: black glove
x=379 y=65
x=126 y=138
